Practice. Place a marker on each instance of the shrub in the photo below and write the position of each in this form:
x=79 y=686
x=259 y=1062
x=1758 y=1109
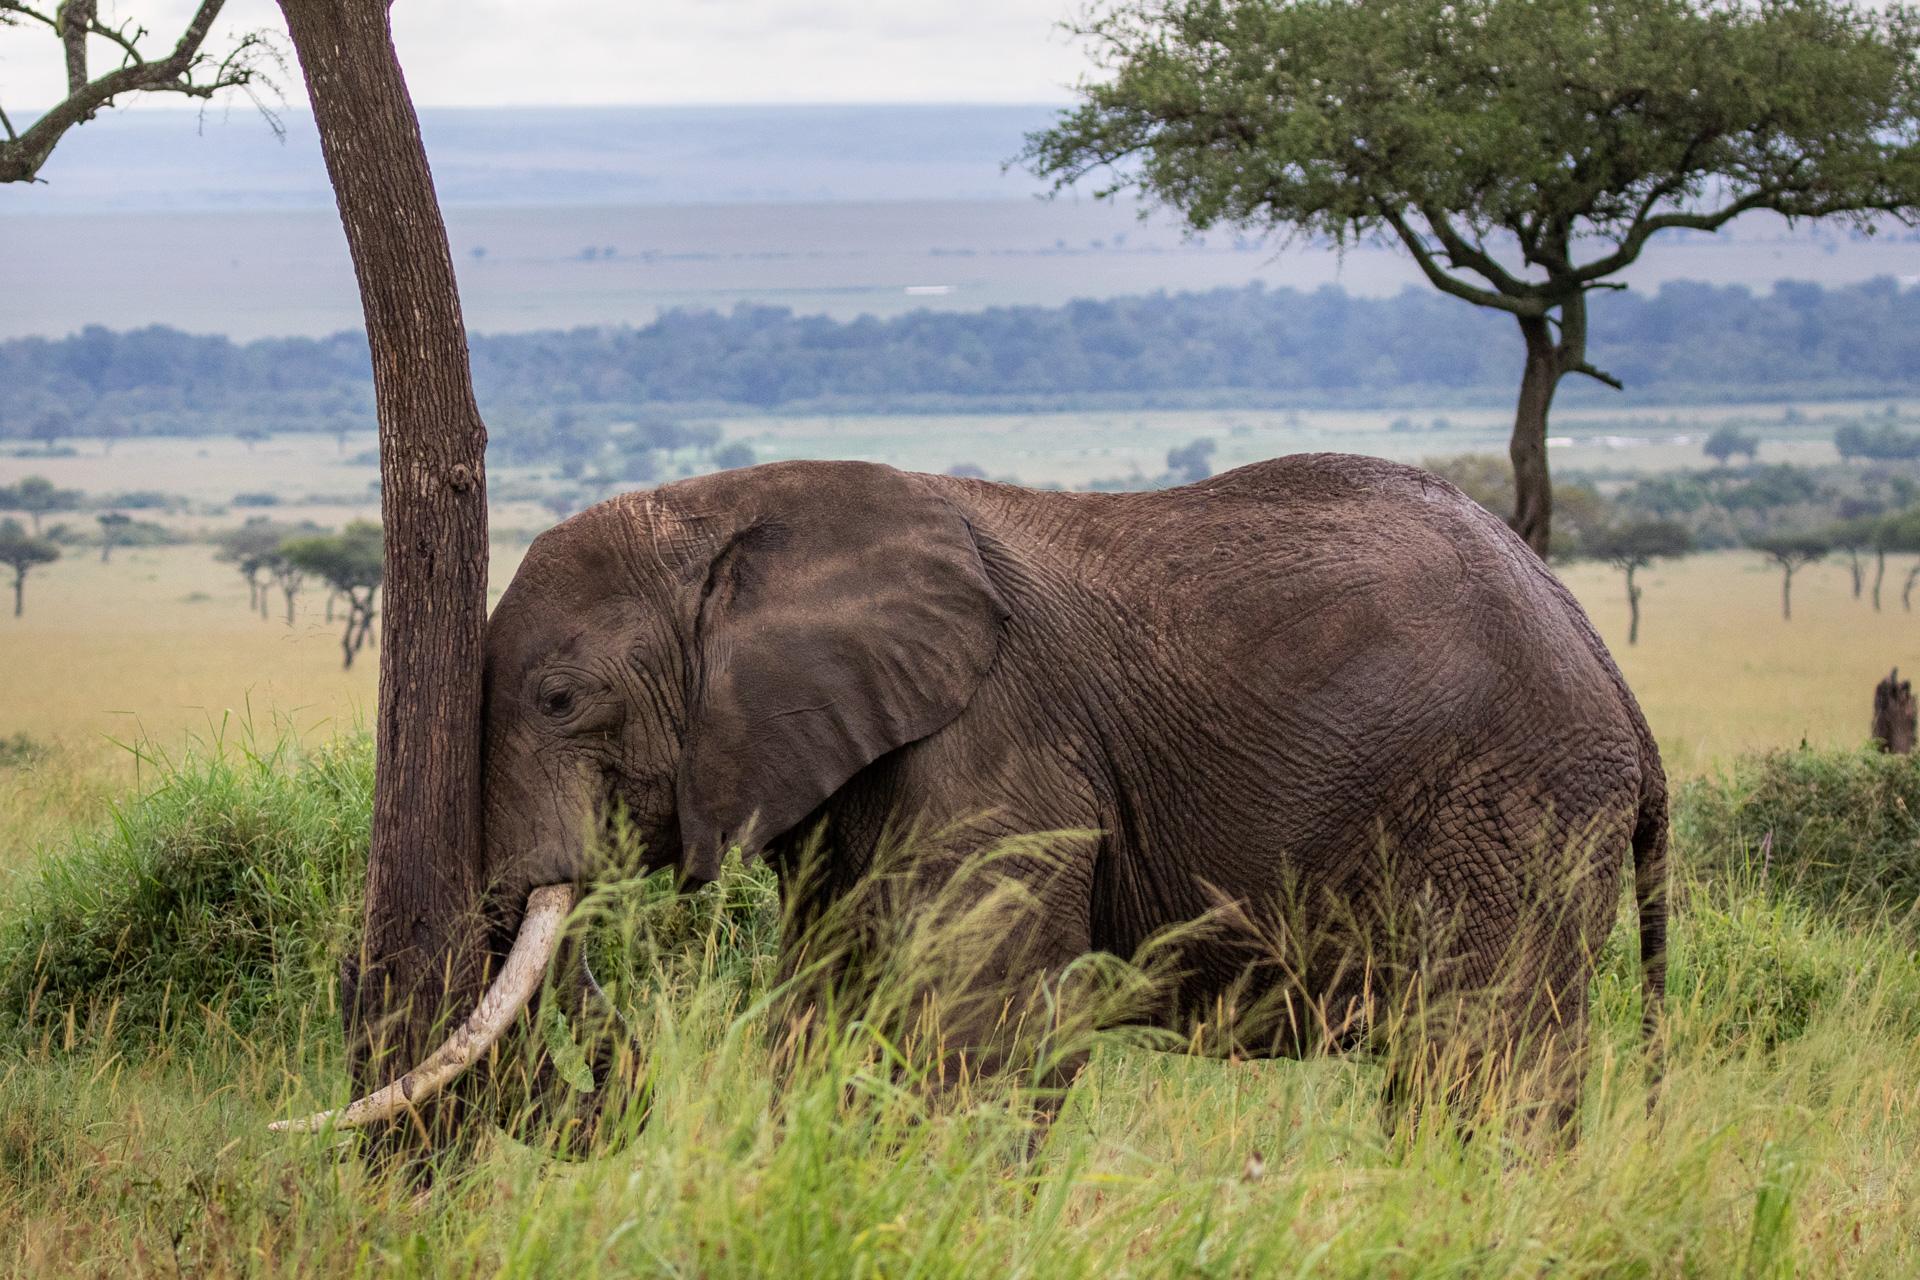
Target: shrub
x=1841 y=827
x=233 y=884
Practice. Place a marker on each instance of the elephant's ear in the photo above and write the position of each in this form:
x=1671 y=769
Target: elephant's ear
x=843 y=620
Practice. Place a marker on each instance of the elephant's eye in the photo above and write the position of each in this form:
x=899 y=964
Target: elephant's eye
x=557 y=702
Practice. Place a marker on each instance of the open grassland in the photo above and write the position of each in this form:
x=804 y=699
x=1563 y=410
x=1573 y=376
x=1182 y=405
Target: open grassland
x=169 y=990
x=160 y=641
x=171 y=921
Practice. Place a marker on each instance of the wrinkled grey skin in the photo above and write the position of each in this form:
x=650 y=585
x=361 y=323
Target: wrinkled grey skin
x=1300 y=682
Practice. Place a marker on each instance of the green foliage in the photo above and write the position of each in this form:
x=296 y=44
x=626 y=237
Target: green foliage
x=232 y=884
x=352 y=560
x=22 y=551
x=1900 y=532
x=1885 y=442
x=1674 y=493
x=1841 y=828
x=1779 y=1139
x=37 y=497
x=1580 y=511
x=1727 y=441
x=1765 y=488
x=1792 y=550
x=1549 y=119
x=1640 y=543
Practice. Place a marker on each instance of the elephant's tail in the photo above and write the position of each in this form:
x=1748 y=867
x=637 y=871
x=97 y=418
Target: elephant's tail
x=1650 y=893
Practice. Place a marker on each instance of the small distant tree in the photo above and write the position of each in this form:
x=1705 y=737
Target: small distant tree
x=1487 y=478
x=112 y=430
x=22 y=551
x=1886 y=442
x=1192 y=462
x=51 y=426
x=352 y=564
x=288 y=576
x=253 y=548
x=37 y=497
x=1632 y=547
x=1899 y=533
x=1792 y=552
x=733 y=456
x=251 y=436
x=1853 y=537
x=1728 y=441
x=112 y=525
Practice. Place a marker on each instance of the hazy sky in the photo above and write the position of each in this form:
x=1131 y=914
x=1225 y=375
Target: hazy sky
x=489 y=52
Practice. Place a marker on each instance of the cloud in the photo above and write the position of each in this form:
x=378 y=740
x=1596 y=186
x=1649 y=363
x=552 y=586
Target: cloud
x=504 y=52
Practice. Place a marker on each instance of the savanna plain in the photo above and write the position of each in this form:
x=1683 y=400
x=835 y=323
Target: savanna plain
x=183 y=805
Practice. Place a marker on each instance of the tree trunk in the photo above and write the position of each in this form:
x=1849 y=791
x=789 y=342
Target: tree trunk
x=19 y=590
x=1894 y=714
x=422 y=955
x=1879 y=572
x=1532 y=482
x=1853 y=563
x=1786 y=593
x=1633 y=605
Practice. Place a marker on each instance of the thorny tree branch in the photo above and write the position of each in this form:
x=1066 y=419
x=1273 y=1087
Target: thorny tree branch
x=186 y=70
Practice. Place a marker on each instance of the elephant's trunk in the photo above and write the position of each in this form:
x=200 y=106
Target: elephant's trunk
x=519 y=978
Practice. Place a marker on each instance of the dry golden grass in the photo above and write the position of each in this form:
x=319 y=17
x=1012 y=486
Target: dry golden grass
x=1719 y=672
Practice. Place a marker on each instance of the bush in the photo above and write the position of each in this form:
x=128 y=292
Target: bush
x=1840 y=827
x=233 y=884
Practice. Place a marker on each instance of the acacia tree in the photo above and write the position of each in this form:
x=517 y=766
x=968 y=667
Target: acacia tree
x=1633 y=547
x=352 y=565
x=423 y=949
x=1523 y=151
x=37 y=496
x=1899 y=533
x=1792 y=552
x=187 y=69
x=113 y=524
x=253 y=547
x=21 y=551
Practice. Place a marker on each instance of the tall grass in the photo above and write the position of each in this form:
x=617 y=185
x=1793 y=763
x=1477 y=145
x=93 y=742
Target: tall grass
x=232 y=884
x=1783 y=1137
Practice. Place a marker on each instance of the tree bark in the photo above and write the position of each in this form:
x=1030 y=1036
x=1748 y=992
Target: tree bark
x=1633 y=605
x=1532 y=481
x=422 y=955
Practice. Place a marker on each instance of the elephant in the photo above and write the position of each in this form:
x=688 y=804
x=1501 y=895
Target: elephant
x=1274 y=699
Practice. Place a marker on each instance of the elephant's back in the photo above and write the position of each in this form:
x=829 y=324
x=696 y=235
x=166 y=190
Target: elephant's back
x=1375 y=614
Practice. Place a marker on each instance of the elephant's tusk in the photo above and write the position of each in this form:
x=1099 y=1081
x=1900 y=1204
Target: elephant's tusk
x=521 y=976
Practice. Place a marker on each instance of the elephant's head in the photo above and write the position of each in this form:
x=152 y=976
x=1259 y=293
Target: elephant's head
x=719 y=656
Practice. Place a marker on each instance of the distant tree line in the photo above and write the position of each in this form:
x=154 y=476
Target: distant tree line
x=1688 y=341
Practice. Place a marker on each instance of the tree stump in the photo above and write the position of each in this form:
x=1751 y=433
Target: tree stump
x=1894 y=714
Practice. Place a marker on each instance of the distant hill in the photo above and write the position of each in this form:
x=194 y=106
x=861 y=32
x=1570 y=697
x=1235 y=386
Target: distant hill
x=230 y=160
x=1690 y=342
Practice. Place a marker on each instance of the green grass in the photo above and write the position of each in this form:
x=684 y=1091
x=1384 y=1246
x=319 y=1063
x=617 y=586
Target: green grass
x=1783 y=1137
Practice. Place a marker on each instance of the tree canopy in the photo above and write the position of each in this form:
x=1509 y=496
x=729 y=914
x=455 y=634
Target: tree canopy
x=352 y=563
x=21 y=551
x=187 y=68
x=1523 y=151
